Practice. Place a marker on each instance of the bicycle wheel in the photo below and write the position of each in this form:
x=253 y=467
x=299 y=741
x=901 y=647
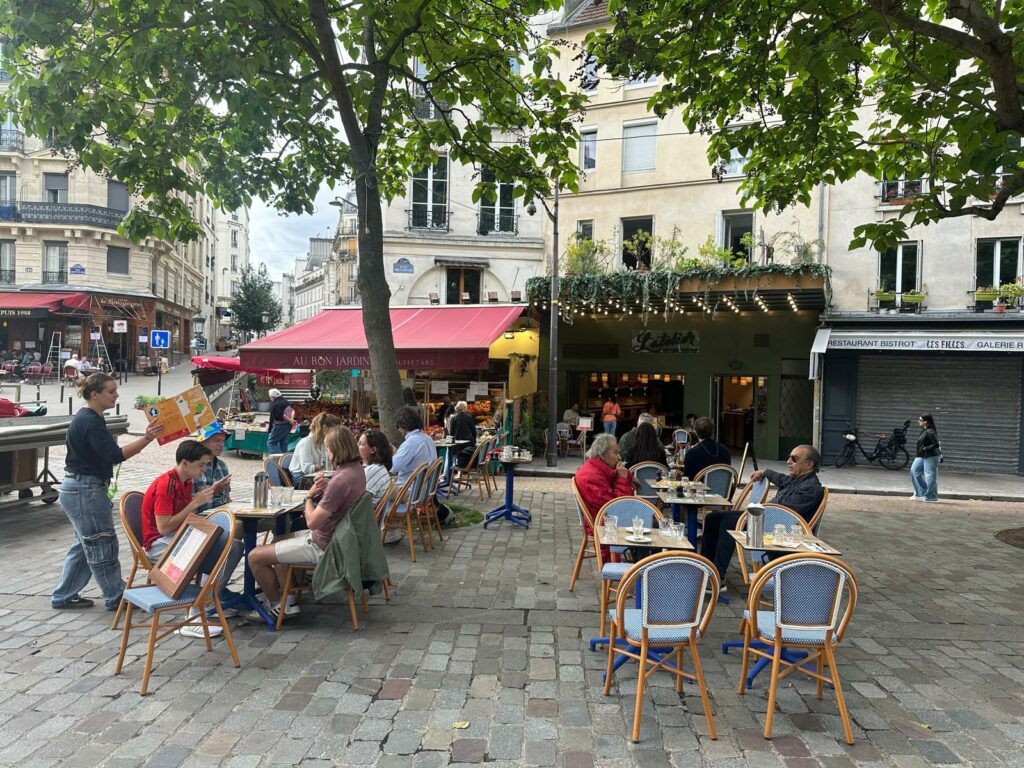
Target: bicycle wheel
x=845 y=456
x=894 y=458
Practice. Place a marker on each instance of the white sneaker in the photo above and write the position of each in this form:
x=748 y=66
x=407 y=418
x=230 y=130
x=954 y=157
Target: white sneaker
x=915 y=497
x=255 y=615
x=291 y=609
x=197 y=631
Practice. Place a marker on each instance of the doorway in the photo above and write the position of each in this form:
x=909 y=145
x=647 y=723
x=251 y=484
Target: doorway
x=739 y=404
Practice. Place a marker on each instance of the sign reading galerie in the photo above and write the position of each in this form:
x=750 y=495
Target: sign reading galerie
x=666 y=341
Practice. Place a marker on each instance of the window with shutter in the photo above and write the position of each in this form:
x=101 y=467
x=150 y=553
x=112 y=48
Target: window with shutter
x=639 y=147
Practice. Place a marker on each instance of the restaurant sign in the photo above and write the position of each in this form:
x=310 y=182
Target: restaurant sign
x=296 y=379
x=37 y=312
x=928 y=342
x=666 y=341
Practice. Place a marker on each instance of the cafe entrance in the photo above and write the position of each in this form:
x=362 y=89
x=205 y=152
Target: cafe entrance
x=739 y=407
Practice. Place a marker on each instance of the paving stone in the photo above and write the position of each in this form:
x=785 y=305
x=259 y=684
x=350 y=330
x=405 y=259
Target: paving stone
x=468 y=750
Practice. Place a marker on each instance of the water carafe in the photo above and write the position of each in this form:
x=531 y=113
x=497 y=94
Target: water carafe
x=260 y=491
x=755 y=525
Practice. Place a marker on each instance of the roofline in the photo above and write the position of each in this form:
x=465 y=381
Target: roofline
x=567 y=24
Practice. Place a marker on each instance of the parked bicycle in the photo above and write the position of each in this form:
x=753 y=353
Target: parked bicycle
x=890 y=451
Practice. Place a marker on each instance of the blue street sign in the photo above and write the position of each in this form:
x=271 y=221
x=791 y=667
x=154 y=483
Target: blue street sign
x=160 y=339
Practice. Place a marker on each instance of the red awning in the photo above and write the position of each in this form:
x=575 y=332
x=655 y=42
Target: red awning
x=232 y=364
x=451 y=337
x=51 y=302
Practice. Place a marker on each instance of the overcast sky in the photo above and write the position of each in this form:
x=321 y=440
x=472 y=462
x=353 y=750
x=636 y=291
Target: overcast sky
x=276 y=239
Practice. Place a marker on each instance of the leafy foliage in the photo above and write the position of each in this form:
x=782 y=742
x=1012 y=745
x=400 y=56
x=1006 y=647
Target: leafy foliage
x=255 y=300
x=821 y=91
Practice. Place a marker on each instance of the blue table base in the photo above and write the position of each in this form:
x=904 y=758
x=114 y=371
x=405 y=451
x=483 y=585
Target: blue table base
x=509 y=511
x=789 y=656
x=248 y=599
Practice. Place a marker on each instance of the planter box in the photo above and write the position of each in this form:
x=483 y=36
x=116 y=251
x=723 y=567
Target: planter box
x=881 y=296
x=986 y=295
x=913 y=298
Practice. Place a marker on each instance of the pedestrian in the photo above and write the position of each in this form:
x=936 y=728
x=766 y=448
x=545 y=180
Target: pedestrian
x=92 y=453
x=282 y=419
x=924 y=472
x=610 y=415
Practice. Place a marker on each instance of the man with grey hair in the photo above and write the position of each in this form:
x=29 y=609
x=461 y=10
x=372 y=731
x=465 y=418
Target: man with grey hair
x=282 y=419
x=603 y=475
x=463 y=427
x=627 y=440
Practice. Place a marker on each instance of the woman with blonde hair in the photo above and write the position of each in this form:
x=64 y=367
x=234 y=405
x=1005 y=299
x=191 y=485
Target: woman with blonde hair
x=92 y=453
x=310 y=454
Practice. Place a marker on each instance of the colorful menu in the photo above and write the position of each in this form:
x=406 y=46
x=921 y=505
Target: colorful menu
x=181 y=415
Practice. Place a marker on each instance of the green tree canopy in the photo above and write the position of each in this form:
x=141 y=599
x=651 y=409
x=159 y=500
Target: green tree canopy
x=273 y=98
x=253 y=301
x=819 y=91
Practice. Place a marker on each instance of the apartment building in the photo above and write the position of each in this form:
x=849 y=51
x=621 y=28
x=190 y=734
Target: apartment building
x=345 y=253
x=232 y=256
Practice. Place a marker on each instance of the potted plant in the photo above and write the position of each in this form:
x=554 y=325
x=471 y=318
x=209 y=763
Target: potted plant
x=1011 y=290
x=583 y=257
x=987 y=293
x=882 y=295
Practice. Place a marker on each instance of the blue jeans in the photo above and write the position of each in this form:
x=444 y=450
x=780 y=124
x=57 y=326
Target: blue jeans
x=924 y=474
x=609 y=427
x=277 y=438
x=94 y=553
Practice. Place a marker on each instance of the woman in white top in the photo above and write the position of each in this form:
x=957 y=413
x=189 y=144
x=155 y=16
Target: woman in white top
x=310 y=455
x=375 y=451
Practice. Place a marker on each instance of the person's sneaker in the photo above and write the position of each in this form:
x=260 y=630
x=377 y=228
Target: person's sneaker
x=931 y=501
x=915 y=497
x=393 y=536
x=291 y=609
x=75 y=602
x=195 y=630
x=255 y=615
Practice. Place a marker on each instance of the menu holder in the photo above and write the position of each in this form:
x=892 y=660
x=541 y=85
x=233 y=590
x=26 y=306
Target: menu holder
x=180 y=563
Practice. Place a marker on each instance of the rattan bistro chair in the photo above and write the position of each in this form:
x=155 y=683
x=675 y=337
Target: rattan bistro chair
x=754 y=492
x=131 y=521
x=645 y=473
x=813 y=599
x=678 y=593
x=461 y=476
x=588 y=546
x=401 y=510
x=719 y=478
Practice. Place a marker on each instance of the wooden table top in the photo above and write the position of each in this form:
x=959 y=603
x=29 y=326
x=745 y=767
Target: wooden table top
x=246 y=509
x=809 y=544
x=449 y=443
x=658 y=539
x=710 y=500
x=666 y=484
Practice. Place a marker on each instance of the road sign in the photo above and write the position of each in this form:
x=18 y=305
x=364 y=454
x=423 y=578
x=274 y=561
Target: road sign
x=160 y=339
x=120 y=326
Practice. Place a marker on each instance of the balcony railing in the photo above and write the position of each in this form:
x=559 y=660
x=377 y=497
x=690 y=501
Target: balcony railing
x=901 y=191
x=6 y=276
x=435 y=218
x=11 y=140
x=31 y=212
x=60 y=277
x=487 y=223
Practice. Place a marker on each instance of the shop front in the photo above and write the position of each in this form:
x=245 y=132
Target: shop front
x=31 y=321
x=970 y=380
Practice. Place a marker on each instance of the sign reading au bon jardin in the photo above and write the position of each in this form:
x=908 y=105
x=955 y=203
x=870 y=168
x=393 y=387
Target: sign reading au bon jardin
x=666 y=341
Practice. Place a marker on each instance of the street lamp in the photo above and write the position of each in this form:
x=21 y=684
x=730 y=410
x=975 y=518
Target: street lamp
x=552 y=453
x=266 y=322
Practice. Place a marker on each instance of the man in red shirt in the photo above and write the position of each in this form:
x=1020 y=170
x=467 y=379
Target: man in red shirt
x=169 y=500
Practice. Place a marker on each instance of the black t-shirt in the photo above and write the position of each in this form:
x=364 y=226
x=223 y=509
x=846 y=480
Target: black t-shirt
x=277 y=409
x=92 y=450
x=635 y=455
x=703 y=455
x=464 y=428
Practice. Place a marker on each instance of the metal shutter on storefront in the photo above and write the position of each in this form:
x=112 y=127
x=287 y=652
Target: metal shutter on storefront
x=975 y=401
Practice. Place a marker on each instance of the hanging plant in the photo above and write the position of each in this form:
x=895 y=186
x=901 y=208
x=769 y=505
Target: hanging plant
x=523 y=360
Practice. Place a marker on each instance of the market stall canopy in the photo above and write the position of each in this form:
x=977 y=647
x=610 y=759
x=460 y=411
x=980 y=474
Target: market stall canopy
x=27 y=304
x=426 y=337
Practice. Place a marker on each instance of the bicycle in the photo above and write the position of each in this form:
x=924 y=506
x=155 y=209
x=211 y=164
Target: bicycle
x=890 y=450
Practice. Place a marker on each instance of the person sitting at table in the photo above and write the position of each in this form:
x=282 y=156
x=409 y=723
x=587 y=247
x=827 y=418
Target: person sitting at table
x=213 y=437
x=646 y=446
x=603 y=475
x=170 y=499
x=706 y=452
x=375 y=453
x=310 y=456
x=336 y=497
x=85 y=366
x=463 y=428
x=416 y=448
x=572 y=417
x=627 y=440
x=800 y=490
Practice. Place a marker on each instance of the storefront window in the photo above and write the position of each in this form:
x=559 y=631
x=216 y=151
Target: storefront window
x=462 y=286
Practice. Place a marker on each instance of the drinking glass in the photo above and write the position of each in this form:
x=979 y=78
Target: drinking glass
x=677 y=530
x=638 y=526
x=796 y=535
x=611 y=524
x=779 y=535
x=701 y=495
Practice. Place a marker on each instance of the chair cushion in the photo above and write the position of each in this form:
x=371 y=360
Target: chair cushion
x=766 y=631
x=615 y=571
x=634 y=629
x=152 y=598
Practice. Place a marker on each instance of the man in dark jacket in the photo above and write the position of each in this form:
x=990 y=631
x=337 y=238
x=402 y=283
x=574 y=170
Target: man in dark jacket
x=706 y=452
x=463 y=428
x=281 y=422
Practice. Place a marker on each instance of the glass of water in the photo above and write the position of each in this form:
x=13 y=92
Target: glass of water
x=611 y=524
x=638 y=527
x=796 y=535
x=701 y=495
x=779 y=535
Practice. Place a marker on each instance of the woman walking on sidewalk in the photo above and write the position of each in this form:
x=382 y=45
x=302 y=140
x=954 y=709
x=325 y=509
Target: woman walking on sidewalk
x=92 y=453
x=924 y=472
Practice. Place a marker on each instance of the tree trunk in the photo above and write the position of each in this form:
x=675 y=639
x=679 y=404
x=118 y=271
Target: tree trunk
x=375 y=299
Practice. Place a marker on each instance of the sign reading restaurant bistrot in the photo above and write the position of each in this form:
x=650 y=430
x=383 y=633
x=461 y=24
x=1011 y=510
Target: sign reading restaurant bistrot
x=666 y=341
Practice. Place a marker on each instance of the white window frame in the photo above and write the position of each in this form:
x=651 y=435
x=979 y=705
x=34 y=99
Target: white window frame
x=431 y=204
x=579 y=229
x=8 y=255
x=628 y=141
x=588 y=136
x=502 y=213
x=899 y=268
x=998 y=243
x=737 y=164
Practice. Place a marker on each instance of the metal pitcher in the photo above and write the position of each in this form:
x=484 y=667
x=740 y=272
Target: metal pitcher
x=755 y=525
x=260 y=490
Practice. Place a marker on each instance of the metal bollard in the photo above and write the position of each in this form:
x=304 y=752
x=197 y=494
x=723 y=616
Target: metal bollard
x=117 y=409
x=62 y=392
x=69 y=406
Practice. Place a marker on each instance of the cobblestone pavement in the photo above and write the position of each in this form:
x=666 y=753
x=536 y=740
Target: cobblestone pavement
x=482 y=631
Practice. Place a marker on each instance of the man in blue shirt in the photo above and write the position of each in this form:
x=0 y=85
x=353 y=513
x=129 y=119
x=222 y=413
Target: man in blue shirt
x=416 y=449
x=213 y=437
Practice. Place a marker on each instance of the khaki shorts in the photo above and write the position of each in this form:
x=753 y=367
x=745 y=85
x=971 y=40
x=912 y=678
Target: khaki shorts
x=298 y=550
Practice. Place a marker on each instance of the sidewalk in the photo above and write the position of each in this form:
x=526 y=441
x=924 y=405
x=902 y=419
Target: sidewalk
x=860 y=479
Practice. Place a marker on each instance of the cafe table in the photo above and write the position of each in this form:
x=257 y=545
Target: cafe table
x=672 y=497
x=251 y=517
x=806 y=544
x=656 y=540
x=444 y=447
x=510 y=511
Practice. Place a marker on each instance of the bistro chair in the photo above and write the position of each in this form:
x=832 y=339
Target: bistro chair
x=566 y=442
x=273 y=470
x=285 y=463
x=808 y=613
x=676 y=595
x=623 y=509
x=680 y=440
x=47 y=372
x=488 y=467
x=131 y=521
x=754 y=492
x=819 y=513
x=194 y=603
x=426 y=504
x=588 y=546
x=34 y=372
x=378 y=514
x=461 y=476
x=646 y=472
x=719 y=478
x=401 y=515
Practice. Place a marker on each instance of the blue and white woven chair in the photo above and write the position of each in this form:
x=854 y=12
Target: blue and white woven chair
x=819 y=513
x=398 y=517
x=754 y=492
x=813 y=599
x=719 y=478
x=677 y=593
x=156 y=602
x=274 y=473
x=752 y=560
x=623 y=509
x=426 y=503
x=646 y=472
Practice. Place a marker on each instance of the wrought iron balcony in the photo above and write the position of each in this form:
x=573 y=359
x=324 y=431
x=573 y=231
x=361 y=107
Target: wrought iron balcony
x=435 y=218
x=60 y=277
x=502 y=223
x=7 y=276
x=32 y=212
x=11 y=140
